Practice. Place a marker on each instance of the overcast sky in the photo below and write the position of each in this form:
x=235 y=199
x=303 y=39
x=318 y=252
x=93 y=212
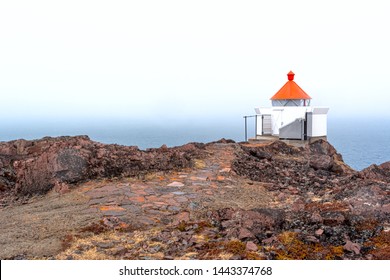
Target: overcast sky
x=171 y=60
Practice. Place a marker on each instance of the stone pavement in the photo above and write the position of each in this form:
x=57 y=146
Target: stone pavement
x=168 y=198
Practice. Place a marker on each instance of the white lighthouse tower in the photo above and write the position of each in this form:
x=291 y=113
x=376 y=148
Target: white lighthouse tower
x=291 y=117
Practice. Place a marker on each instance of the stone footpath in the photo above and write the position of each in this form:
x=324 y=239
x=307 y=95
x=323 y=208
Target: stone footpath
x=163 y=199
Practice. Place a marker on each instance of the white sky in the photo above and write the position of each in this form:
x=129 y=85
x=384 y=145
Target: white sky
x=190 y=59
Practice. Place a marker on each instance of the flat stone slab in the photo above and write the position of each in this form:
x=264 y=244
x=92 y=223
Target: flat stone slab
x=181 y=199
x=178 y=193
x=166 y=189
x=114 y=213
x=102 y=200
x=175 y=184
x=111 y=208
x=132 y=208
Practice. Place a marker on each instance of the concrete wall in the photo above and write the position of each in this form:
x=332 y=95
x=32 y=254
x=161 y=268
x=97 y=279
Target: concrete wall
x=259 y=123
x=294 y=130
x=282 y=116
x=320 y=126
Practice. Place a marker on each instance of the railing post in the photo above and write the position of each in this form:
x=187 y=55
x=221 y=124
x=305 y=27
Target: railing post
x=255 y=126
x=246 y=125
x=246 y=132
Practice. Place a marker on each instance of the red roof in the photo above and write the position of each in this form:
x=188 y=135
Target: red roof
x=290 y=90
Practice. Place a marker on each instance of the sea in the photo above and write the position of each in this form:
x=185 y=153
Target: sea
x=360 y=142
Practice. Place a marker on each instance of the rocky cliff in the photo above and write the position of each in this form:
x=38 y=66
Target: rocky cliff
x=72 y=198
x=35 y=167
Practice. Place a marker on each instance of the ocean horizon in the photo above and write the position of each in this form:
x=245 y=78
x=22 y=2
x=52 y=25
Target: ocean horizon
x=361 y=143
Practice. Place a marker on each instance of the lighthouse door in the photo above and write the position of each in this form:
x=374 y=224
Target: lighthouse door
x=267 y=124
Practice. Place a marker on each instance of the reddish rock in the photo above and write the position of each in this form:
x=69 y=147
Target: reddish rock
x=377 y=172
x=261 y=220
x=298 y=206
x=243 y=234
x=311 y=238
x=139 y=199
x=323 y=162
x=322 y=147
x=152 y=198
x=247 y=223
x=270 y=240
x=289 y=165
x=181 y=199
x=225 y=170
x=111 y=222
x=333 y=218
x=250 y=246
x=229 y=224
x=316 y=218
x=182 y=217
x=292 y=190
x=386 y=208
x=225 y=214
x=147 y=205
x=175 y=184
x=61 y=188
x=352 y=247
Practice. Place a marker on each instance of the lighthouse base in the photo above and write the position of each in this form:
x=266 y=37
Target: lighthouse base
x=294 y=142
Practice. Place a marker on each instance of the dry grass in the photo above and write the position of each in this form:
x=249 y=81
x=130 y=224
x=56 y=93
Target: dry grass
x=381 y=246
x=224 y=256
x=188 y=256
x=226 y=250
x=327 y=206
x=91 y=253
x=290 y=247
x=137 y=242
x=95 y=228
x=199 y=164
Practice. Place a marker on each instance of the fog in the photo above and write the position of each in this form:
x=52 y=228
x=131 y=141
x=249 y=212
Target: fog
x=188 y=61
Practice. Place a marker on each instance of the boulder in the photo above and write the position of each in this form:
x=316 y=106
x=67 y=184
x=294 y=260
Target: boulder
x=323 y=162
x=250 y=246
x=352 y=247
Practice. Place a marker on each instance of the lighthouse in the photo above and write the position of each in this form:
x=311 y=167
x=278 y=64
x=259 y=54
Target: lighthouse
x=291 y=117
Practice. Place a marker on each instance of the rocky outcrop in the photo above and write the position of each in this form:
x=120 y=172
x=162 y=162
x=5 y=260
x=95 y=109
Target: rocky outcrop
x=248 y=224
x=284 y=166
x=377 y=172
x=222 y=200
x=330 y=204
x=34 y=167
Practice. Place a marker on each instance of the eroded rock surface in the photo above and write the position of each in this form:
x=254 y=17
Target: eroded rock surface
x=35 y=167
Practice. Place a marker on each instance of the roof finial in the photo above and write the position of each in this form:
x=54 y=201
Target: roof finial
x=290 y=76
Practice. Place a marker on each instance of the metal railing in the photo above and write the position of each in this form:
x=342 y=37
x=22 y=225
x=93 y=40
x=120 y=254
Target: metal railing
x=246 y=125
